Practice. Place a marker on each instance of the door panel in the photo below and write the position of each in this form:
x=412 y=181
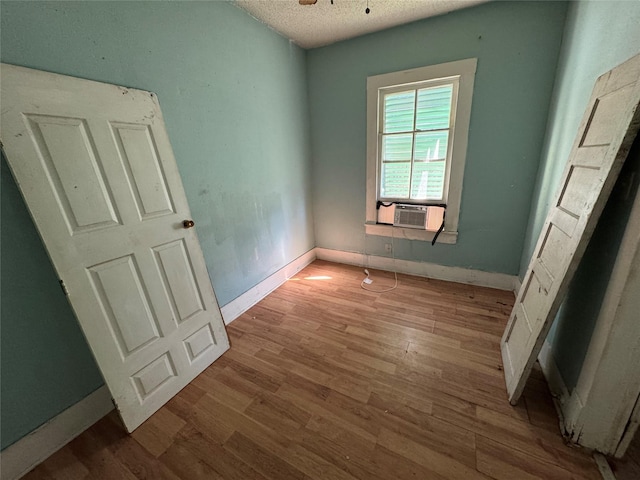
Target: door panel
x=119 y=288
x=603 y=122
x=178 y=280
x=153 y=376
x=198 y=343
x=95 y=166
x=144 y=171
x=575 y=197
x=79 y=188
x=607 y=131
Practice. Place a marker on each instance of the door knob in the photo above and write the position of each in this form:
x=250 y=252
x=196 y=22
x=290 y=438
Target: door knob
x=188 y=223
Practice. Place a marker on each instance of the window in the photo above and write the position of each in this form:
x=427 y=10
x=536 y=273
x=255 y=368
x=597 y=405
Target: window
x=417 y=127
x=414 y=129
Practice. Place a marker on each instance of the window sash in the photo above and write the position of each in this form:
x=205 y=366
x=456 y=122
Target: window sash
x=381 y=162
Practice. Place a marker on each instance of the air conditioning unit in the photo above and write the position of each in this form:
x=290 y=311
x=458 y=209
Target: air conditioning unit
x=410 y=216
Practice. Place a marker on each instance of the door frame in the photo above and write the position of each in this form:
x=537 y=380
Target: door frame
x=603 y=410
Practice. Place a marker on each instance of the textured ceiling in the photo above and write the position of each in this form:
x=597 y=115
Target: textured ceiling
x=317 y=25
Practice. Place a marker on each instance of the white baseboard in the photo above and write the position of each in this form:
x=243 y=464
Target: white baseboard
x=248 y=299
x=517 y=286
x=29 y=451
x=500 y=281
x=552 y=373
x=558 y=388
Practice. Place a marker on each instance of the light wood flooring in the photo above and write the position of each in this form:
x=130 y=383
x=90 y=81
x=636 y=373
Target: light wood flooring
x=327 y=381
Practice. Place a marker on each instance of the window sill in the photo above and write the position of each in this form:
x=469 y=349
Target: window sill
x=409 y=233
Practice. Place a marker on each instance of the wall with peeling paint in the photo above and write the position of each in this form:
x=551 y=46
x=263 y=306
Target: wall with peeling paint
x=517 y=46
x=233 y=94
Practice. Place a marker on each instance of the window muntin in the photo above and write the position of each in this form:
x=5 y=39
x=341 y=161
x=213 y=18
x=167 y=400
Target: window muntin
x=415 y=124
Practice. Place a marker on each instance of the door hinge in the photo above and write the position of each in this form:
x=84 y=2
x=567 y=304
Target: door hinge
x=64 y=288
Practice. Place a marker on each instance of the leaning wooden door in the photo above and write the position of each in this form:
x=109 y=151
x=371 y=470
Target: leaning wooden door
x=94 y=164
x=605 y=135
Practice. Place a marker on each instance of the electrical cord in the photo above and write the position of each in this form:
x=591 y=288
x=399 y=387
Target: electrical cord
x=365 y=282
x=362 y=284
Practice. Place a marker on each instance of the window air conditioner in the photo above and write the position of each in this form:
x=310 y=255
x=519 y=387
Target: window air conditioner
x=410 y=216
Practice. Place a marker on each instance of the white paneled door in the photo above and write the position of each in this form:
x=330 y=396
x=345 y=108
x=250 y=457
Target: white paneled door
x=94 y=164
x=606 y=133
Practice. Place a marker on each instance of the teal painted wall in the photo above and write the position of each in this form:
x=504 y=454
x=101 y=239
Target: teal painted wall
x=517 y=45
x=234 y=98
x=597 y=37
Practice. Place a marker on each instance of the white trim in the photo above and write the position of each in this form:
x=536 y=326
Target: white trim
x=552 y=374
x=248 y=299
x=556 y=384
x=630 y=431
x=465 y=71
x=501 y=281
x=517 y=286
x=600 y=412
x=29 y=451
x=408 y=233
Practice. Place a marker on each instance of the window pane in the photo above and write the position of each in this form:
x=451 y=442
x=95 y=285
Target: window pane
x=398 y=112
x=434 y=107
x=395 y=180
x=397 y=148
x=428 y=180
x=431 y=146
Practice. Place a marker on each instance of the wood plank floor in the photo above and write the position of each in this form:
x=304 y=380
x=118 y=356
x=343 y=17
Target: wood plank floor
x=327 y=381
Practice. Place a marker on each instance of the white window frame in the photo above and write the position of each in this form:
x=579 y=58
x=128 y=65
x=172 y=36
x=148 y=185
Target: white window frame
x=463 y=71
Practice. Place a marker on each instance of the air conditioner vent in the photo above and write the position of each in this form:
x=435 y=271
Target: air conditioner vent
x=410 y=216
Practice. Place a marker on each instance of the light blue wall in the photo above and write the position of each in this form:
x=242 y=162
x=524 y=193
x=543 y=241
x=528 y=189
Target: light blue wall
x=517 y=45
x=234 y=98
x=597 y=37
